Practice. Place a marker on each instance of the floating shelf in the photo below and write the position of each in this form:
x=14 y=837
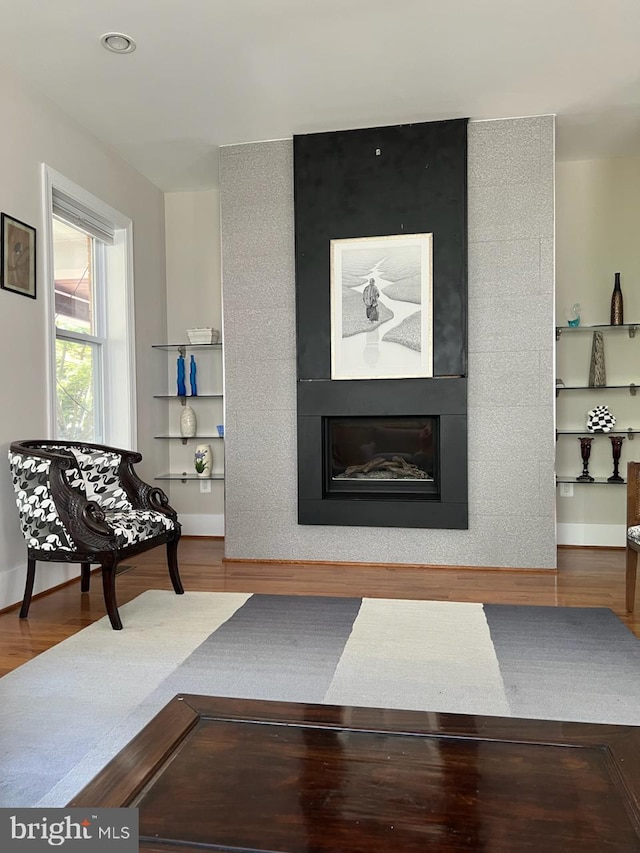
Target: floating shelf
x=631 y=328
x=178 y=347
x=585 y=432
x=597 y=481
x=189 y=437
x=184 y=476
x=212 y=413
x=629 y=386
x=180 y=397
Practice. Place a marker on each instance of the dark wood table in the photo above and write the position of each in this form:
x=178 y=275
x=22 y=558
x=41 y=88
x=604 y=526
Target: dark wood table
x=246 y=775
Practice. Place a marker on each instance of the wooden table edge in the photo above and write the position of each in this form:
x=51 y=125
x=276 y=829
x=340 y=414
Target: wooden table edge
x=122 y=779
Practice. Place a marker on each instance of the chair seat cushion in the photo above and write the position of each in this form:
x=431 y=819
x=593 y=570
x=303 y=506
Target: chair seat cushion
x=633 y=533
x=136 y=525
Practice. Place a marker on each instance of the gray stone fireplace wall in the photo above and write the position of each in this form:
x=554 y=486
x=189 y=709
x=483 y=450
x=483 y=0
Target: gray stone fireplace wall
x=511 y=375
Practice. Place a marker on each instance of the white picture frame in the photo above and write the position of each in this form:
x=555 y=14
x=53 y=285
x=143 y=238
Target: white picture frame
x=382 y=307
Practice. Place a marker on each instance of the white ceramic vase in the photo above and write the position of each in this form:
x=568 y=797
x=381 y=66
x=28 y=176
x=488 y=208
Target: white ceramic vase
x=203 y=460
x=188 y=423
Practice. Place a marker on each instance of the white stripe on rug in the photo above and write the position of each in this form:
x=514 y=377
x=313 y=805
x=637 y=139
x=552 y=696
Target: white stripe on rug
x=420 y=654
x=106 y=674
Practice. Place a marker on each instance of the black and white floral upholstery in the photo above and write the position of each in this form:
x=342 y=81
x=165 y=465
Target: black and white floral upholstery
x=136 y=525
x=102 y=479
x=99 y=474
x=633 y=533
x=40 y=522
x=84 y=503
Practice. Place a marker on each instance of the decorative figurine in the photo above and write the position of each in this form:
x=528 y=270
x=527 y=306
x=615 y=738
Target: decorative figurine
x=188 y=422
x=203 y=460
x=192 y=377
x=182 y=388
x=585 y=451
x=574 y=319
x=617 y=307
x=600 y=419
x=616 y=449
x=597 y=372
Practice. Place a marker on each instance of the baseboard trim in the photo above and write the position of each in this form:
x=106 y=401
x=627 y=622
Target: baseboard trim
x=346 y=564
x=202 y=525
x=210 y=538
x=12 y=582
x=593 y=547
x=597 y=535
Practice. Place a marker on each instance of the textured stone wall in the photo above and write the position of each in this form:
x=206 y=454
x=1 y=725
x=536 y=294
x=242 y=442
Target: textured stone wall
x=511 y=375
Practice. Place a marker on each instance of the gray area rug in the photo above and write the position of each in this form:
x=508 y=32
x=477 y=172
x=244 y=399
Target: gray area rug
x=66 y=713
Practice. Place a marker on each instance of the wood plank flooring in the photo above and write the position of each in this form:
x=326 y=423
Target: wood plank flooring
x=586 y=578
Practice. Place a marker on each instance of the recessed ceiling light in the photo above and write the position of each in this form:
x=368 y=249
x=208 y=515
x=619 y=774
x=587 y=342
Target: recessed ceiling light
x=118 y=43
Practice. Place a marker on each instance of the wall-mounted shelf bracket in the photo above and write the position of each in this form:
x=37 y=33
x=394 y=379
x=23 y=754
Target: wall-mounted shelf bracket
x=632 y=331
x=632 y=389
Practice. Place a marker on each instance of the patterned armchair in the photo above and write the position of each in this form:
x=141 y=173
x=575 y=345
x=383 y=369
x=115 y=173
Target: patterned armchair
x=633 y=531
x=84 y=503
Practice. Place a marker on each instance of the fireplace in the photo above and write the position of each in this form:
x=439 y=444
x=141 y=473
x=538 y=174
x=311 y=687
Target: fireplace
x=347 y=425
x=371 y=457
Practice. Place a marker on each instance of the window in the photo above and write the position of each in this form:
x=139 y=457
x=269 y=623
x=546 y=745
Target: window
x=90 y=296
x=78 y=272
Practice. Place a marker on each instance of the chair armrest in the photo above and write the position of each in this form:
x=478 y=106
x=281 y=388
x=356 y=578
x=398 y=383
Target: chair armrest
x=633 y=494
x=84 y=519
x=141 y=494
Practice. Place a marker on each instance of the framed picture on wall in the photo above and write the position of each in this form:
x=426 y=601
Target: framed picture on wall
x=17 y=256
x=382 y=307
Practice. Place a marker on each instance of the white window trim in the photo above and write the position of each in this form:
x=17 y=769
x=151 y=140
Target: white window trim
x=123 y=433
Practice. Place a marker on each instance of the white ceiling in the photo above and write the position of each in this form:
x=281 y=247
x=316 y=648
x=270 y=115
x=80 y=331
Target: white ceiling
x=214 y=72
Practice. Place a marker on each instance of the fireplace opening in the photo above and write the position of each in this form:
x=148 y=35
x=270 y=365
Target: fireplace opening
x=374 y=457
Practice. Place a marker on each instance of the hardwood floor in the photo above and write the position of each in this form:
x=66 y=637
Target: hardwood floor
x=586 y=578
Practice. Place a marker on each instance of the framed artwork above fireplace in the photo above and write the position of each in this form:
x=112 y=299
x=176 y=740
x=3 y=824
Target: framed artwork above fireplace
x=381 y=307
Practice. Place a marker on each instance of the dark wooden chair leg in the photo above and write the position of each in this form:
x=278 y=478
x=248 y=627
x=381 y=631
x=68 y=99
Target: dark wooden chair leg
x=632 y=570
x=85 y=580
x=109 y=587
x=28 y=589
x=172 y=561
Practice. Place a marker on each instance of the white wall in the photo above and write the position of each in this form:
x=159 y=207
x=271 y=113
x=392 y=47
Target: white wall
x=597 y=227
x=34 y=131
x=193 y=300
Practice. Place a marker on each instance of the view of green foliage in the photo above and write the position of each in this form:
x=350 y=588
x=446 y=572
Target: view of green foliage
x=74 y=398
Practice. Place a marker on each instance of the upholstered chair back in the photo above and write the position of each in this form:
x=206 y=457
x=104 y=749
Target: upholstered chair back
x=41 y=525
x=100 y=473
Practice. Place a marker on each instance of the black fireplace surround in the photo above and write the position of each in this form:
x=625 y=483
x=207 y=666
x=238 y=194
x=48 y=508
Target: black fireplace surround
x=407 y=179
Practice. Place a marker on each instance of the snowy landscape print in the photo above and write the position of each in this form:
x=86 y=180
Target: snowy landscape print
x=381 y=307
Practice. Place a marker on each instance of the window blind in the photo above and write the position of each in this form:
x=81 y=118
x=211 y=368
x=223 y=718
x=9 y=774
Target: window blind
x=75 y=213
